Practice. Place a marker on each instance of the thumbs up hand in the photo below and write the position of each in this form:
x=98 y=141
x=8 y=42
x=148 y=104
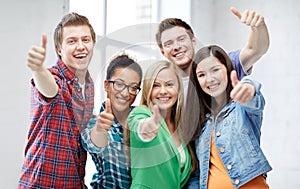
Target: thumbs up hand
x=241 y=92
x=250 y=18
x=36 y=56
x=149 y=127
x=104 y=122
x=105 y=118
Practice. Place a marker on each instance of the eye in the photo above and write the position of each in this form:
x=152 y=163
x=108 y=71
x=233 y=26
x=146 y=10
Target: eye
x=182 y=38
x=133 y=88
x=201 y=75
x=170 y=84
x=119 y=84
x=167 y=44
x=71 y=41
x=155 y=85
x=86 y=40
x=216 y=69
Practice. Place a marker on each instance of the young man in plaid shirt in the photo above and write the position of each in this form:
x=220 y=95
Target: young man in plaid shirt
x=62 y=99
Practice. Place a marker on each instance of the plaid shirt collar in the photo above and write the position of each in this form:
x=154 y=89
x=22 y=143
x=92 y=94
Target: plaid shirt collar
x=70 y=76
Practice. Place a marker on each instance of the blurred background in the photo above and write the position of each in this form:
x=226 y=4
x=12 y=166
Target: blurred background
x=130 y=25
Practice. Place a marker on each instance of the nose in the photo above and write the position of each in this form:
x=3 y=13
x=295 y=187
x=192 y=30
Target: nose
x=209 y=77
x=125 y=91
x=163 y=90
x=80 y=45
x=176 y=45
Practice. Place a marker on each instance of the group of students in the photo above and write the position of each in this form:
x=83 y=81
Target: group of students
x=197 y=126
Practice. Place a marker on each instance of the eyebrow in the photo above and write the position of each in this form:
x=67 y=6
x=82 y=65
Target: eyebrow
x=169 y=41
x=159 y=81
x=209 y=69
x=183 y=35
x=132 y=83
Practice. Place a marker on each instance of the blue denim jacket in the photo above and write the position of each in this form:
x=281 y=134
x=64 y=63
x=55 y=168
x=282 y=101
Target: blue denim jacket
x=237 y=131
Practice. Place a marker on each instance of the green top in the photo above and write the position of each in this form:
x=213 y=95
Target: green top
x=155 y=164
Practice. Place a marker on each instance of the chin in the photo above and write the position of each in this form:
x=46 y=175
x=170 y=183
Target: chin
x=122 y=107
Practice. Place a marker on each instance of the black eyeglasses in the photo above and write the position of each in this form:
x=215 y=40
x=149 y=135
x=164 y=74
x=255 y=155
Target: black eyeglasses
x=120 y=86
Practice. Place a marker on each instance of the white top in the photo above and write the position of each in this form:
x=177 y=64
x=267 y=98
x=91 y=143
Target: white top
x=82 y=86
x=182 y=156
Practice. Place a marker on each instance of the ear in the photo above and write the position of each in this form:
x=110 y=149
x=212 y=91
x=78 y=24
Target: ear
x=106 y=83
x=58 y=52
x=162 y=52
x=194 y=41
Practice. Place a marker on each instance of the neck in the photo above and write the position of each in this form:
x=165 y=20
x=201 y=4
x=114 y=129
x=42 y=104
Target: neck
x=121 y=117
x=186 y=72
x=81 y=77
x=80 y=73
x=171 y=125
x=218 y=104
x=167 y=116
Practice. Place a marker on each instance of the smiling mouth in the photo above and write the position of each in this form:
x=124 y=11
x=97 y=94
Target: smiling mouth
x=164 y=99
x=122 y=100
x=213 y=87
x=179 y=55
x=80 y=56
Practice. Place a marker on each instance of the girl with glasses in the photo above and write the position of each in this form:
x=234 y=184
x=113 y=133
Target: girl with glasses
x=104 y=136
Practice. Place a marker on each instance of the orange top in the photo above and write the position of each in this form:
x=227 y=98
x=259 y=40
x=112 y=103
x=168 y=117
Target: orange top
x=218 y=177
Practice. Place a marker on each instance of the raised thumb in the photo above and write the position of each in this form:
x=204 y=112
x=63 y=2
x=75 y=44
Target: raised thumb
x=234 y=78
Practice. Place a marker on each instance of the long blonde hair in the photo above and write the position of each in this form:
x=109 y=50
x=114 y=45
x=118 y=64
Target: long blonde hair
x=148 y=82
x=177 y=110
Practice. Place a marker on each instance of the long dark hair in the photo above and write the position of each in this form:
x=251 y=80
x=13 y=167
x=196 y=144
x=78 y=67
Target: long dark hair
x=196 y=97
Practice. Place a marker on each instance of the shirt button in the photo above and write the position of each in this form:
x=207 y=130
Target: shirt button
x=219 y=119
x=237 y=181
x=229 y=167
x=218 y=134
x=222 y=150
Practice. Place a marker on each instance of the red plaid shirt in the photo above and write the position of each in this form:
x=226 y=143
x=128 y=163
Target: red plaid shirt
x=54 y=157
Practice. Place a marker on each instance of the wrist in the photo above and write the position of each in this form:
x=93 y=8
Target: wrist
x=100 y=129
x=99 y=137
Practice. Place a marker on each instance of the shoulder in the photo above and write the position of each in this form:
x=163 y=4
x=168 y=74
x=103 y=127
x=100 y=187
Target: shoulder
x=140 y=110
x=137 y=114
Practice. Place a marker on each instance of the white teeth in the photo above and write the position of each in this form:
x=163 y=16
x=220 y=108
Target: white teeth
x=213 y=86
x=163 y=99
x=122 y=100
x=80 y=55
x=179 y=54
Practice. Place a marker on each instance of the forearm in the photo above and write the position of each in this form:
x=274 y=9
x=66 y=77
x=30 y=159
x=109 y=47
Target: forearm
x=99 y=137
x=257 y=45
x=45 y=82
x=259 y=39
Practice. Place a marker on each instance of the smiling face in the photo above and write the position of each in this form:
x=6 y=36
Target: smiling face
x=212 y=77
x=165 y=89
x=178 y=47
x=122 y=100
x=76 y=49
